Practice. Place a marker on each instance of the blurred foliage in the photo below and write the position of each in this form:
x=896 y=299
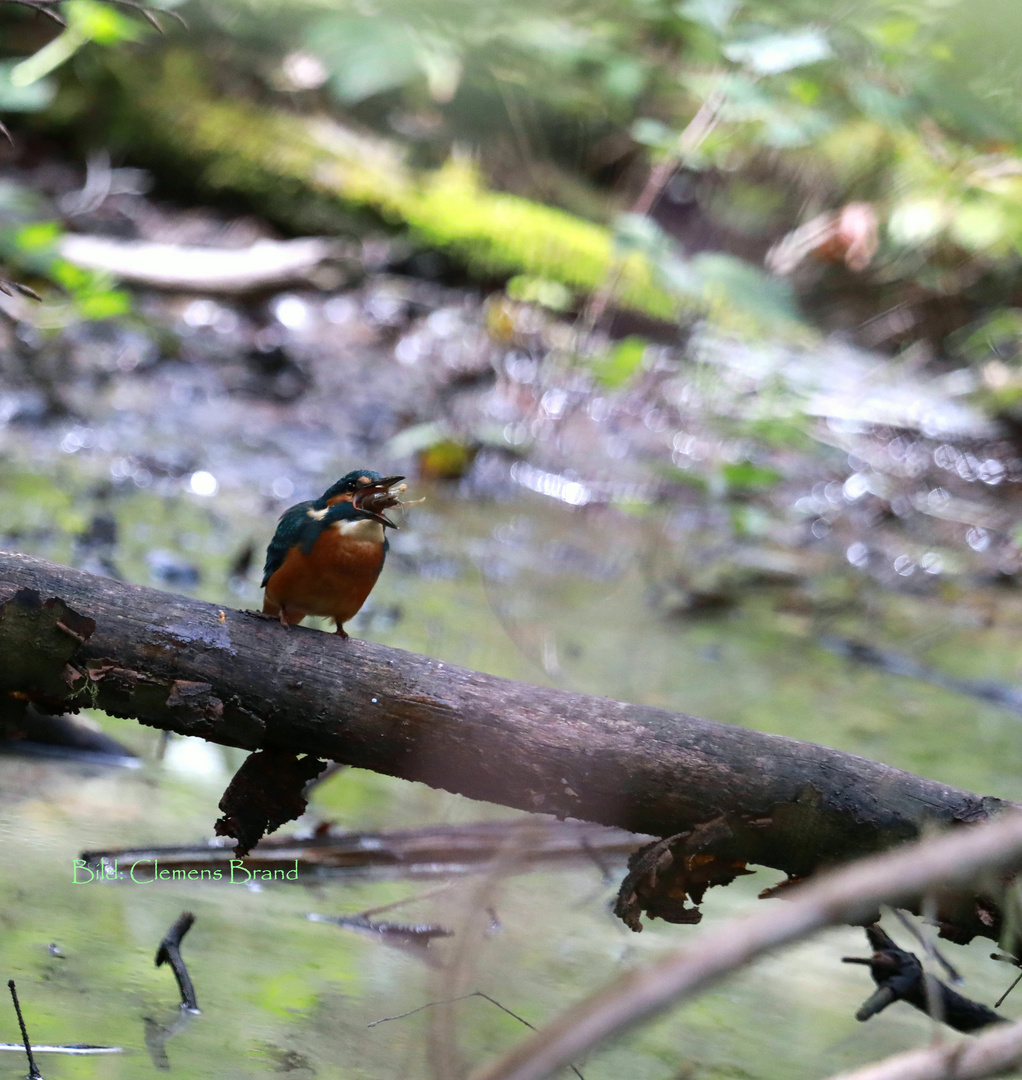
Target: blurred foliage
x=760 y=113
x=86 y=21
x=29 y=247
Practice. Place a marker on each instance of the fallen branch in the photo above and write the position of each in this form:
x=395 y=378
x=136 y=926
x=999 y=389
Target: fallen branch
x=266 y=264
x=993 y=1054
x=725 y=794
x=846 y=895
x=431 y=851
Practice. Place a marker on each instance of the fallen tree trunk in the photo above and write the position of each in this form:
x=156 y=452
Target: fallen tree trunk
x=228 y=676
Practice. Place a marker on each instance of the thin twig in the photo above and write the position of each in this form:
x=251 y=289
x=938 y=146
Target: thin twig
x=43 y=7
x=1000 y=1001
x=691 y=138
x=169 y=952
x=931 y=950
x=442 y=1040
x=465 y=997
x=33 y=1070
x=381 y=908
x=51 y=9
x=955 y=859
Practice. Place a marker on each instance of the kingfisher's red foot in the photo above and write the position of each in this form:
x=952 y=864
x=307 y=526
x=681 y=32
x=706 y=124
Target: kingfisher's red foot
x=341 y=632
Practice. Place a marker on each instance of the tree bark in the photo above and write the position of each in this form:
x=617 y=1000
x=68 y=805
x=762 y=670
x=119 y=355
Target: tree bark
x=184 y=665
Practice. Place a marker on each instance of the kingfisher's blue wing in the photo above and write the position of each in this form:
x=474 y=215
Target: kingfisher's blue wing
x=297 y=526
x=291 y=529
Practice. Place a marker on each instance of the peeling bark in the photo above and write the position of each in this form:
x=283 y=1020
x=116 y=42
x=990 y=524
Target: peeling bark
x=188 y=666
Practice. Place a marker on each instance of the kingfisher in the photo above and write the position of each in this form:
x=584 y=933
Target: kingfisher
x=326 y=554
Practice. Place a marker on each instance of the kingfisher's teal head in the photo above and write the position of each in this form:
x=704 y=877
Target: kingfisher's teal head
x=345 y=488
x=365 y=489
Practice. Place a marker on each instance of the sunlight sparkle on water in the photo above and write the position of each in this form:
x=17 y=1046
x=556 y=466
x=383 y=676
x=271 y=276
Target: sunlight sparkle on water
x=857 y=554
x=202 y=483
x=546 y=483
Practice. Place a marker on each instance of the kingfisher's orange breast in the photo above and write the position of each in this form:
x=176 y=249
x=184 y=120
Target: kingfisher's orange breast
x=337 y=575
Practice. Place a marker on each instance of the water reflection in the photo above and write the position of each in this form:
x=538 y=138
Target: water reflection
x=682 y=543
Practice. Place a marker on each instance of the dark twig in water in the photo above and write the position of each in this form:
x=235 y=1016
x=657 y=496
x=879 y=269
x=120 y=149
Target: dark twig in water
x=170 y=952
x=33 y=1070
x=900 y=977
x=1000 y=1001
x=1005 y=959
x=465 y=997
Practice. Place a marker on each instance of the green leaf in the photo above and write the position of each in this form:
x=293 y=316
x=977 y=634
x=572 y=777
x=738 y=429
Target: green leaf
x=542 y=291
x=654 y=134
x=49 y=57
x=100 y=22
x=727 y=282
x=997 y=335
x=744 y=476
x=773 y=53
x=714 y=14
x=895 y=33
x=881 y=104
x=87 y=20
x=804 y=90
x=639 y=233
x=624 y=78
x=365 y=56
x=109 y=304
x=915 y=222
x=38 y=237
x=621 y=363
x=980 y=226
x=27 y=98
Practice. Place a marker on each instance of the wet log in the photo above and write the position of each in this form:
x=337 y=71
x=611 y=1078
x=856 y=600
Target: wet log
x=192 y=667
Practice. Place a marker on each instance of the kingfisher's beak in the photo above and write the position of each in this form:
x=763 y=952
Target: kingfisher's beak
x=374 y=498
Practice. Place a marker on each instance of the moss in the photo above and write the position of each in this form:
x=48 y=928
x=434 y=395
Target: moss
x=281 y=161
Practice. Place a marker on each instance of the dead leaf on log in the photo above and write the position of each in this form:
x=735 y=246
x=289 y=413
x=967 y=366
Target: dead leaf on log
x=663 y=876
x=41 y=636
x=266 y=791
